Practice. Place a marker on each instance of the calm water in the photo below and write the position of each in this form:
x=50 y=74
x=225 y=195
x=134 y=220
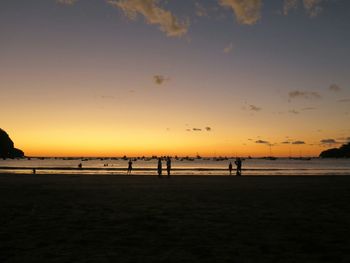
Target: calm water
x=191 y=167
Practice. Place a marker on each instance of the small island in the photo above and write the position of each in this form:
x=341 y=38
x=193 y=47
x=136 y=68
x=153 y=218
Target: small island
x=341 y=152
x=7 y=149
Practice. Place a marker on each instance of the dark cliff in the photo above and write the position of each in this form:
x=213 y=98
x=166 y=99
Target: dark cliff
x=7 y=149
x=341 y=152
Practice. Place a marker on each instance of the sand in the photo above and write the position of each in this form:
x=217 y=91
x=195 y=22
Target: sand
x=72 y=218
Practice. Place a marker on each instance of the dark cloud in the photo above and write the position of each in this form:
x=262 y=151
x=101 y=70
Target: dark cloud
x=285 y=142
x=262 y=142
x=107 y=97
x=208 y=128
x=196 y=129
x=308 y=108
x=159 y=79
x=254 y=108
x=334 y=87
x=328 y=141
x=344 y=100
x=343 y=139
x=304 y=94
x=294 y=111
x=298 y=142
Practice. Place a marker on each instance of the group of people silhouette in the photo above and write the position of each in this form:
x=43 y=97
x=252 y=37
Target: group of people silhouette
x=159 y=169
x=238 y=163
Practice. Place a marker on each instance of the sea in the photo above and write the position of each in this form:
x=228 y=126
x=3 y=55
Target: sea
x=180 y=166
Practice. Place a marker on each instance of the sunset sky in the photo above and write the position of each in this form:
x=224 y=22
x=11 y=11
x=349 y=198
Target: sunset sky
x=144 y=77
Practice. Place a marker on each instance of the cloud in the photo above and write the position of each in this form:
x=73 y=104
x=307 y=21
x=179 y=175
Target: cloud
x=334 y=87
x=285 y=142
x=289 y=5
x=208 y=128
x=328 y=141
x=308 y=108
x=107 y=97
x=66 y=2
x=247 y=12
x=159 y=79
x=312 y=7
x=304 y=94
x=344 y=100
x=343 y=139
x=298 y=142
x=254 y=108
x=196 y=129
x=262 y=142
x=153 y=14
x=200 y=10
x=294 y=111
x=228 y=48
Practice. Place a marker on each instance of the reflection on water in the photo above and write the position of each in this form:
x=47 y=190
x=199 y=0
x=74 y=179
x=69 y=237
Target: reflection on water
x=189 y=167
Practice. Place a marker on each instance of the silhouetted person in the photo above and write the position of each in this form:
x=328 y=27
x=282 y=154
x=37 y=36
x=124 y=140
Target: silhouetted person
x=34 y=171
x=159 y=167
x=129 y=167
x=238 y=163
x=80 y=166
x=230 y=168
x=168 y=165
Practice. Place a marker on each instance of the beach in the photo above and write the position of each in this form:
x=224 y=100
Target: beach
x=94 y=218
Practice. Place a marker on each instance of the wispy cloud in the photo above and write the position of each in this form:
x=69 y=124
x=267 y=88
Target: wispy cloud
x=153 y=14
x=344 y=100
x=160 y=79
x=200 y=10
x=312 y=7
x=304 y=94
x=228 y=48
x=246 y=11
x=66 y=2
x=254 y=108
x=298 y=142
x=308 y=108
x=334 y=87
x=289 y=5
x=328 y=141
x=294 y=111
x=262 y=142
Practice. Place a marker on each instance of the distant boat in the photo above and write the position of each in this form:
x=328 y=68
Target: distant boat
x=301 y=158
x=272 y=158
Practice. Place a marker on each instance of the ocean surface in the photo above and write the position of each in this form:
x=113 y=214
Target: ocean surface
x=148 y=166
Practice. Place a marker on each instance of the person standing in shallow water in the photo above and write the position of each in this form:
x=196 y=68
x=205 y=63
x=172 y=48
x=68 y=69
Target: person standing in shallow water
x=238 y=163
x=159 y=167
x=168 y=165
x=230 y=168
x=129 y=167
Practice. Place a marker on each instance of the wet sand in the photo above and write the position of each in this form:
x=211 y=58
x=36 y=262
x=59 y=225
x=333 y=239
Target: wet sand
x=74 y=218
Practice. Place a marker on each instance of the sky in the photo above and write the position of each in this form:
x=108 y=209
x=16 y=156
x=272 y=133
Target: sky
x=175 y=77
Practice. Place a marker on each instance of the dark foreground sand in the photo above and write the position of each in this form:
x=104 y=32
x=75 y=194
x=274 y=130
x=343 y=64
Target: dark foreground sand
x=61 y=218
